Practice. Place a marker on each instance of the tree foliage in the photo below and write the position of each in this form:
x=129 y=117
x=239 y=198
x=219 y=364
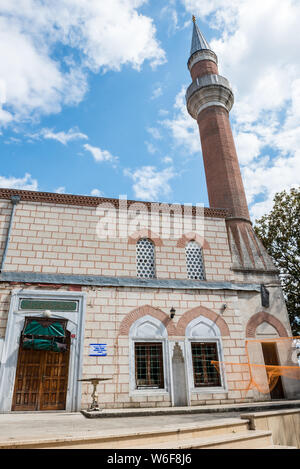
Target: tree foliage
x=280 y=233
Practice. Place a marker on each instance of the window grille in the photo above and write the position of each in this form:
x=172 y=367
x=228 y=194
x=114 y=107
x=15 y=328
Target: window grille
x=194 y=261
x=205 y=373
x=145 y=262
x=149 y=365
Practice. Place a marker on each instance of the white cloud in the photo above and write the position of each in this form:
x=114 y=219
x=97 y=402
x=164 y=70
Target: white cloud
x=163 y=112
x=97 y=35
x=97 y=193
x=248 y=146
x=100 y=155
x=154 y=132
x=60 y=190
x=150 y=147
x=167 y=160
x=62 y=136
x=206 y=7
x=150 y=183
x=170 y=13
x=183 y=128
x=157 y=92
x=25 y=183
x=266 y=178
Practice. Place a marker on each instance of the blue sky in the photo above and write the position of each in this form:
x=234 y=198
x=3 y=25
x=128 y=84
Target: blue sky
x=92 y=96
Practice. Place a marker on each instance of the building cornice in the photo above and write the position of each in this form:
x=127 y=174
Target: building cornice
x=88 y=201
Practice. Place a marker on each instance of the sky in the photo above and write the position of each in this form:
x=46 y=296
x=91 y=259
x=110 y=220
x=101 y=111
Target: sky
x=92 y=96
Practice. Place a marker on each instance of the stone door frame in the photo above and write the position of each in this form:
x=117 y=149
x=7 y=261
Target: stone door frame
x=14 y=328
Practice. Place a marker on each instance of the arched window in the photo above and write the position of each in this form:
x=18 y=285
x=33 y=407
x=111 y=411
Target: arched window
x=145 y=258
x=205 y=346
x=194 y=261
x=148 y=350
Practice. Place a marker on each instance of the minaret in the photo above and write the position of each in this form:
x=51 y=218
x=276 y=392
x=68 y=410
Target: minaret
x=209 y=99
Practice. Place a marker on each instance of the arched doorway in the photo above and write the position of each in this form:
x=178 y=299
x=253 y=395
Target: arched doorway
x=41 y=380
x=266 y=346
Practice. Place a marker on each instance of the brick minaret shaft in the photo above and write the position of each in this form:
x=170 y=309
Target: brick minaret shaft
x=209 y=100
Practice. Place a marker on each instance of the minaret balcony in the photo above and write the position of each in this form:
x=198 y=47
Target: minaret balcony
x=206 y=91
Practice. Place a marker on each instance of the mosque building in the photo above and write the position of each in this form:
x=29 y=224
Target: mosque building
x=169 y=304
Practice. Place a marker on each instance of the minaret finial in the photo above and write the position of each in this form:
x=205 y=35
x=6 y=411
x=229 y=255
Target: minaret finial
x=194 y=18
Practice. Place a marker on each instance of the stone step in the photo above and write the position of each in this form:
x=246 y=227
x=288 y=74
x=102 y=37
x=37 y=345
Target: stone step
x=279 y=447
x=170 y=435
x=243 y=440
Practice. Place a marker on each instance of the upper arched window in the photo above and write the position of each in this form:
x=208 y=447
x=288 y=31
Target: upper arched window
x=194 y=261
x=145 y=258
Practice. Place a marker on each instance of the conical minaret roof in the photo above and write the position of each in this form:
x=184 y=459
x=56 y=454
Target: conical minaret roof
x=198 y=40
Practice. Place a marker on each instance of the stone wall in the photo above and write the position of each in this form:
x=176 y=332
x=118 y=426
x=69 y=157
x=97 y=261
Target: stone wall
x=51 y=238
x=110 y=313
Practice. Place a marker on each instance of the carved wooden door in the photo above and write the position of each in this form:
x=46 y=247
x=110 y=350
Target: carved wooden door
x=41 y=380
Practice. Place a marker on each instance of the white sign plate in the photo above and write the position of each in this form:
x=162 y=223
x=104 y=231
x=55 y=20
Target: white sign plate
x=98 y=350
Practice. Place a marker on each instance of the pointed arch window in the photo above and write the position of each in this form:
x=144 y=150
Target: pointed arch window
x=148 y=352
x=194 y=261
x=145 y=258
x=205 y=346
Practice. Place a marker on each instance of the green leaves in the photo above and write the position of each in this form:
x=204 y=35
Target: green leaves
x=279 y=231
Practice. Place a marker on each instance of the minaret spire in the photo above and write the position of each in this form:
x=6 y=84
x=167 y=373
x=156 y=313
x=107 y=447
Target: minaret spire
x=198 y=40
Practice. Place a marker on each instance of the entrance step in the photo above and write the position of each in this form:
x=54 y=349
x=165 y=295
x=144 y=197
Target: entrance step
x=224 y=433
x=227 y=433
x=244 y=440
x=118 y=439
x=279 y=447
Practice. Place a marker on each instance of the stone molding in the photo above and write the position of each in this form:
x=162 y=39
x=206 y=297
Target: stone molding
x=204 y=54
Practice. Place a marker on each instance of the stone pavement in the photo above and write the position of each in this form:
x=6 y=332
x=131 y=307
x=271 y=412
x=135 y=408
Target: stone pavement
x=17 y=426
x=21 y=426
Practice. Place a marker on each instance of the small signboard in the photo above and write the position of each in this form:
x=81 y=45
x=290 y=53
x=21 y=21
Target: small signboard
x=98 y=350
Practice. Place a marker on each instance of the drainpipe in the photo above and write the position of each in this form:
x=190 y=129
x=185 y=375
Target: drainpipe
x=15 y=199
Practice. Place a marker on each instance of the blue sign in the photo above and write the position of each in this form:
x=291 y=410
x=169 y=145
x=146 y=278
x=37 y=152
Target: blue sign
x=98 y=350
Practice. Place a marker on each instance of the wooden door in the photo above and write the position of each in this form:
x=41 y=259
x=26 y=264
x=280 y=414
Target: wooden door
x=41 y=380
x=271 y=358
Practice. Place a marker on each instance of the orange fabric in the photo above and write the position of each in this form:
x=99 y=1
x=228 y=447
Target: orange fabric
x=260 y=376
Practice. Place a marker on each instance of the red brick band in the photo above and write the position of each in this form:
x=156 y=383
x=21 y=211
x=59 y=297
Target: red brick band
x=261 y=317
x=134 y=237
x=169 y=324
x=143 y=311
x=192 y=237
x=201 y=311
